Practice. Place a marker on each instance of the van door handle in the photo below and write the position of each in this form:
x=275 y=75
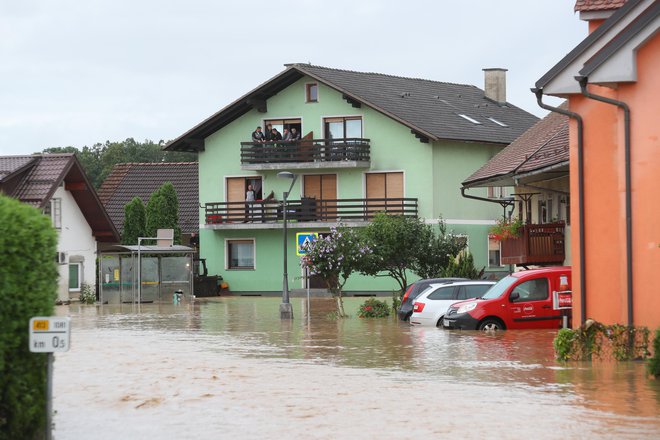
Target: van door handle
x=546 y=307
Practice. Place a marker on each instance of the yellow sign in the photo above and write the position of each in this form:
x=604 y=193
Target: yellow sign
x=40 y=325
x=116 y=274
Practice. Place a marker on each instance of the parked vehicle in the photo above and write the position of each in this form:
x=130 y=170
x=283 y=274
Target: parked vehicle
x=431 y=305
x=522 y=300
x=413 y=290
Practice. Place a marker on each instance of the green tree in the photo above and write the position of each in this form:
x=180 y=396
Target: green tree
x=28 y=283
x=163 y=212
x=135 y=218
x=402 y=245
x=334 y=258
x=462 y=267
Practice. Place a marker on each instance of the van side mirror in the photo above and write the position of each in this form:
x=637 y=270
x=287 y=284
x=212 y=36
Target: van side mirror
x=514 y=296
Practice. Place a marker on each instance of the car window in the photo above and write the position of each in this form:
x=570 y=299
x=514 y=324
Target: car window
x=476 y=291
x=532 y=290
x=442 y=293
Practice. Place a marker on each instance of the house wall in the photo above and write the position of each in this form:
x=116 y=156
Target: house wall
x=605 y=216
x=76 y=240
x=432 y=173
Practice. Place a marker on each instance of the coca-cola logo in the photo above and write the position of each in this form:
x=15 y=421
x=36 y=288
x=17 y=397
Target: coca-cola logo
x=528 y=308
x=565 y=300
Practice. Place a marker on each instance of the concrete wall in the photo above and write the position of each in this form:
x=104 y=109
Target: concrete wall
x=76 y=240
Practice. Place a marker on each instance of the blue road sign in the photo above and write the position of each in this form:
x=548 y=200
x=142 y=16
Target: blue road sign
x=302 y=238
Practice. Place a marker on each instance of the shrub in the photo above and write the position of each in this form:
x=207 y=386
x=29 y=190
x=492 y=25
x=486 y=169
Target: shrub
x=87 y=294
x=373 y=308
x=463 y=268
x=654 y=362
x=28 y=287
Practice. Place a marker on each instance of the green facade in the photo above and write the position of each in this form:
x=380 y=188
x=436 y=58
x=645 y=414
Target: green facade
x=432 y=172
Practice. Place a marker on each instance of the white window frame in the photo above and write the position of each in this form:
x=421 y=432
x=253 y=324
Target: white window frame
x=254 y=253
x=80 y=274
x=488 y=254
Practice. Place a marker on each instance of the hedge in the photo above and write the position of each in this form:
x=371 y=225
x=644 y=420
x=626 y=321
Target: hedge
x=28 y=287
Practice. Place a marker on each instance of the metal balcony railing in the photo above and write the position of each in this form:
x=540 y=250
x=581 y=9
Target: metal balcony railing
x=539 y=245
x=307 y=210
x=305 y=150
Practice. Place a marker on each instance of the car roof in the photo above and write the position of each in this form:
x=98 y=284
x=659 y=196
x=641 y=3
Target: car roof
x=530 y=272
x=462 y=283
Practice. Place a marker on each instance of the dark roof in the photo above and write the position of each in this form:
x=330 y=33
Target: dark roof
x=586 y=43
x=129 y=180
x=429 y=108
x=34 y=179
x=542 y=146
x=598 y=5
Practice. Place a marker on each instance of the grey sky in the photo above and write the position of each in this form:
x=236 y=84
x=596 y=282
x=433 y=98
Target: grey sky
x=77 y=72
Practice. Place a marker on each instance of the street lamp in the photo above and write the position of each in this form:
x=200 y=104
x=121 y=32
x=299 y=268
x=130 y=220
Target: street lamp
x=286 y=310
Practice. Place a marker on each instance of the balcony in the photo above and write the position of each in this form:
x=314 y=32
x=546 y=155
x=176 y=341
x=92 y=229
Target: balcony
x=538 y=245
x=306 y=154
x=308 y=211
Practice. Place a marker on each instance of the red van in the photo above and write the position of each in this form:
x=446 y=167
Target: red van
x=521 y=300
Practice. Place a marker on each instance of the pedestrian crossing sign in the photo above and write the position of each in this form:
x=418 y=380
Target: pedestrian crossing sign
x=302 y=239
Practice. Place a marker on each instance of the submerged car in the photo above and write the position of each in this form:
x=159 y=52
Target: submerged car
x=430 y=306
x=413 y=290
x=522 y=300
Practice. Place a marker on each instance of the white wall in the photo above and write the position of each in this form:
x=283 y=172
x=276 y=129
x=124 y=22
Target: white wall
x=75 y=238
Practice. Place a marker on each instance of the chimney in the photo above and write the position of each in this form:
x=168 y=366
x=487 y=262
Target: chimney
x=495 y=84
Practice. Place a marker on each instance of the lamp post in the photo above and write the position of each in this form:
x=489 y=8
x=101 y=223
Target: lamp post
x=286 y=310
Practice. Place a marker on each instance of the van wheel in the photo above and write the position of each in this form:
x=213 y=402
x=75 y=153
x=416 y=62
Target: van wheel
x=490 y=325
x=439 y=323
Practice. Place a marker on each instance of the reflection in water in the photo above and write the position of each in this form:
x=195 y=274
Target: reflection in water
x=230 y=366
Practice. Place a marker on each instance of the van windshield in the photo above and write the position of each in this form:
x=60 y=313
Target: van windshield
x=498 y=289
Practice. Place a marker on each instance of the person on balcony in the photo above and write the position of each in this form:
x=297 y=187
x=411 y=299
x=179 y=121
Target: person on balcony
x=258 y=136
x=269 y=132
x=249 y=204
x=286 y=136
x=295 y=136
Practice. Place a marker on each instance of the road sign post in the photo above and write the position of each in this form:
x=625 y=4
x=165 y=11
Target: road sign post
x=49 y=334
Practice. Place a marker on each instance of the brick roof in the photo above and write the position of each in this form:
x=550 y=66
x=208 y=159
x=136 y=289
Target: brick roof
x=129 y=180
x=34 y=179
x=543 y=145
x=598 y=5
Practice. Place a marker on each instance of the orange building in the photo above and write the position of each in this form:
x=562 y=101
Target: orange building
x=612 y=83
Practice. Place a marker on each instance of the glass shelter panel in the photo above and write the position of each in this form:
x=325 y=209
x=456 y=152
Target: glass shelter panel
x=150 y=280
x=175 y=273
x=110 y=280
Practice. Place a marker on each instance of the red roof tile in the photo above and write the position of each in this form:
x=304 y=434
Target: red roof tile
x=598 y=5
x=129 y=180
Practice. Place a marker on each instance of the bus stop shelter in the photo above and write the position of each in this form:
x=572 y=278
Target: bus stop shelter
x=162 y=271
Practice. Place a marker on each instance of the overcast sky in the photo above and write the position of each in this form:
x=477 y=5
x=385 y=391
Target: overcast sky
x=78 y=72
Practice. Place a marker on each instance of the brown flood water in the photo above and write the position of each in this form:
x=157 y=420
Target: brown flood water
x=229 y=368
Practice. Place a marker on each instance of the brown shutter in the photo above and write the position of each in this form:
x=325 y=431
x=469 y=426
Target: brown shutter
x=236 y=194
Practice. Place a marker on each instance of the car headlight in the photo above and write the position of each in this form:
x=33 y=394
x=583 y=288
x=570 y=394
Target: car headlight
x=467 y=307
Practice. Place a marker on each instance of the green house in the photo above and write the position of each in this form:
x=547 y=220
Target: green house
x=367 y=142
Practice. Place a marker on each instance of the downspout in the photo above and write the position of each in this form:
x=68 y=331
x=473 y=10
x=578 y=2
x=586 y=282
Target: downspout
x=580 y=176
x=583 y=80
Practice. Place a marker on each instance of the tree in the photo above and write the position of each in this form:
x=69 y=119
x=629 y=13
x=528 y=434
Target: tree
x=135 y=218
x=405 y=244
x=435 y=254
x=99 y=159
x=163 y=212
x=334 y=258
x=462 y=267
x=28 y=284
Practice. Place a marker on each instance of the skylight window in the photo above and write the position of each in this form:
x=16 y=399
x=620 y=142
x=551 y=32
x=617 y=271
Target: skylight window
x=501 y=124
x=467 y=118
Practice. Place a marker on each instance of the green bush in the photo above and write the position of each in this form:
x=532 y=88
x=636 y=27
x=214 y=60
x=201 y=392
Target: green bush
x=28 y=287
x=87 y=294
x=463 y=267
x=654 y=362
x=373 y=308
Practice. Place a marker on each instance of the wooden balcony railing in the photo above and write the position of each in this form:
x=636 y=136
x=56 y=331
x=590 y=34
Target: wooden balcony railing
x=308 y=210
x=538 y=244
x=305 y=150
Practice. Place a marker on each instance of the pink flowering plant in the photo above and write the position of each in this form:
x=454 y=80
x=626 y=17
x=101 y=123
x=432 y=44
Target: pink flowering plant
x=334 y=257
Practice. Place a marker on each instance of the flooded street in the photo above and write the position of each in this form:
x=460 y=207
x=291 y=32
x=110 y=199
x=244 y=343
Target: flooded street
x=230 y=368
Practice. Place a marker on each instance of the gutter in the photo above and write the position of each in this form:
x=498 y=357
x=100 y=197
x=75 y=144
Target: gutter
x=584 y=80
x=580 y=166
x=504 y=203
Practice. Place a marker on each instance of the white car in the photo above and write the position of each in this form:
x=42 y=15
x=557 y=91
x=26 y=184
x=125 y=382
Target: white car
x=432 y=304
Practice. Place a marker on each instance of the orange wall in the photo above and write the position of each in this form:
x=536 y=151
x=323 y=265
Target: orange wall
x=605 y=221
